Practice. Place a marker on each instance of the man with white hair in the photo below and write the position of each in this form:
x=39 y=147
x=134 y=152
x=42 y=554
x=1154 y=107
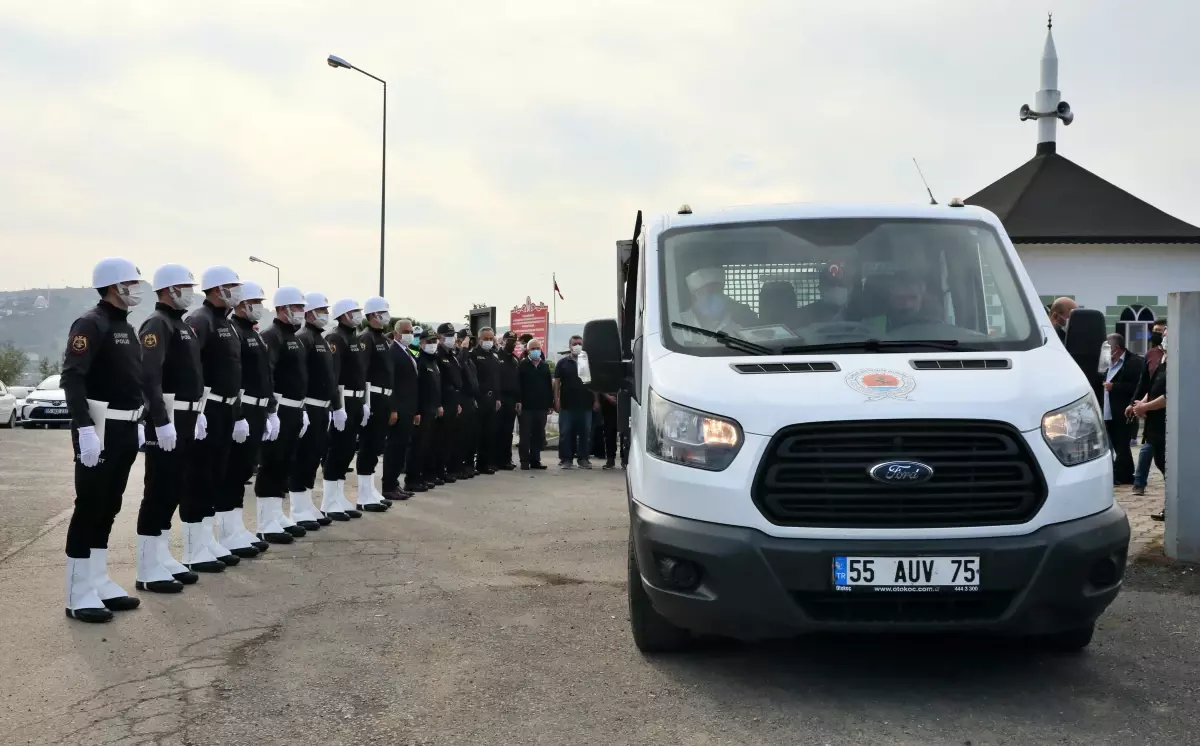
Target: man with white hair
x=710 y=307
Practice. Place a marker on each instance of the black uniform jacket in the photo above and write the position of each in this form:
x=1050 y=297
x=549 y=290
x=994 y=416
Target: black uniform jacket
x=170 y=361
x=103 y=362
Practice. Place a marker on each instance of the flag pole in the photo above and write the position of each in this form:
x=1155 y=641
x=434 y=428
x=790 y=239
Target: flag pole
x=554 y=298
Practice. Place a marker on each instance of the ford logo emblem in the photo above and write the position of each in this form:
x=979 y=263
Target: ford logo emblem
x=901 y=472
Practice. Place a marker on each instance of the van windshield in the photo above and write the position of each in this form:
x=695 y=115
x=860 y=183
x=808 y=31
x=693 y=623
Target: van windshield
x=854 y=285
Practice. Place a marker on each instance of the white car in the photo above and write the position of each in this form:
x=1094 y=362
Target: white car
x=20 y=392
x=46 y=405
x=8 y=407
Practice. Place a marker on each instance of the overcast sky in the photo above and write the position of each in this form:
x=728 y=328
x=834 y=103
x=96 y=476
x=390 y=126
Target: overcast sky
x=524 y=135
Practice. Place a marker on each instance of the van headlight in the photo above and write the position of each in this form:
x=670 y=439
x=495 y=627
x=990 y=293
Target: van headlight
x=1076 y=432
x=686 y=436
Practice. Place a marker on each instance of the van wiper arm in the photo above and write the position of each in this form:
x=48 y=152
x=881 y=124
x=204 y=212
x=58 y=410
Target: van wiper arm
x=730 y=341
x=872 y=345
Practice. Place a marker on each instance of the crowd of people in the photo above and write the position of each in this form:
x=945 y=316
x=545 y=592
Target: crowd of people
x=226 y=394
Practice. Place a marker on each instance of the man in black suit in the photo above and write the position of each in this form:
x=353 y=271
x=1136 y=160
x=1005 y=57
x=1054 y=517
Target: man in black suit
x=1120 y=382
x=404 y=402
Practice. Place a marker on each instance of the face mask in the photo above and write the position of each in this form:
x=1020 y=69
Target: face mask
x=576 y=349
x=320 y=320
x=430 y=349
x=510 y=345
x=448 y=343
x=232 y=295
x=130 y=295
x=1156 y=338
x=382 y=317
x=837 y=296
x=535 y=354
x=710 y=306
x=255 y=311
x=295 y=317
x=487 y=345
x=182 y=297
x=406 y=340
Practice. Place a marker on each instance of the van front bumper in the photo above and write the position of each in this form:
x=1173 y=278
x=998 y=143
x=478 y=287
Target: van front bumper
x=753 y=586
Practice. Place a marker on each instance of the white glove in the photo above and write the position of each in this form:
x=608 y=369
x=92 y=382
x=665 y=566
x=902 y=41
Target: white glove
x=304 y=427
x=166 y=436
x=339 y=418
x=241 y=431
x=271 y=431
x=366 y=414
x=141 y=436
x=89 y=446
x=201 y=427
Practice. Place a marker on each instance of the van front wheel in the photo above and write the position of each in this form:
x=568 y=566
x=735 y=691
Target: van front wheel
x=652 y=632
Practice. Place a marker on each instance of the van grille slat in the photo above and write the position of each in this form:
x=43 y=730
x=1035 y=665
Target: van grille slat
x=966 y=364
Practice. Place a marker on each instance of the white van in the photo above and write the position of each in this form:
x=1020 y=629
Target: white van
x=855 y=418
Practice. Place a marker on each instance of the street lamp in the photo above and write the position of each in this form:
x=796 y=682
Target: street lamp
x=335 y=62
x=260 y=261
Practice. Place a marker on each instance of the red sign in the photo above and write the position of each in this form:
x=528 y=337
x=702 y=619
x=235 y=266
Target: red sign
x=530 y=318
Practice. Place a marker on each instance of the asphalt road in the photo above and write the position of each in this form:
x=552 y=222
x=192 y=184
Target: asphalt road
x=493 y=612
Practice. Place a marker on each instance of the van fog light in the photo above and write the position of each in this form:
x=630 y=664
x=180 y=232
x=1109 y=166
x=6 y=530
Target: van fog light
x=678 y=574
x=1105 y=572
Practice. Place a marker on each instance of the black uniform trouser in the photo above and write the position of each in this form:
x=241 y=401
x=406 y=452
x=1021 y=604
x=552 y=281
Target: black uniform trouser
x=467 y=437
x=533 y=435
x=421 y=437
x=210 y=457
x=99 y=488
x=485 y=434
x=168 y=483
x=374 y=436
x=441 y=452
x=614 y=431
x=505 y=421
x=279 y=455
x=1156 y=436
x=395 y=453
x=343 y=444
x=310 y=449
x=243 y=457
x=1119 y=433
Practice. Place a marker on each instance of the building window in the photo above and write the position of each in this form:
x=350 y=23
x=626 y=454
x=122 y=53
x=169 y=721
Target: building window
x=1134 y=324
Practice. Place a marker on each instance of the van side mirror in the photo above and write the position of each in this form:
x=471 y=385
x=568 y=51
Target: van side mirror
x=1086 y=334
x=602 y=343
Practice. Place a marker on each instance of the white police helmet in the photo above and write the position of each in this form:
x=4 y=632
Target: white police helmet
x=253 y=291
x=171 y=275
x=288 y=295
x=344 y=306
x=313 y=301
x=114 y=270
x=375 y=304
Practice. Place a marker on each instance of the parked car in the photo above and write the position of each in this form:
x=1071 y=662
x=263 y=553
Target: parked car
x=8 y=407
x=20 y=392
x=46 y=405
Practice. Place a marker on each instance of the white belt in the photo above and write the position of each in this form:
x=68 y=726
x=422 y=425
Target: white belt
x=323 y=403
x=221 y=399
x=187 y=406
x=377 y=390
x=296 y=403
x=99 y=412
x=254 y=402
x=351 y=394
x=124 y=415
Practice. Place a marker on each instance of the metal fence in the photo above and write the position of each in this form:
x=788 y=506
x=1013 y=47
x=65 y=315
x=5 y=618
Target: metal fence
x=744 y=282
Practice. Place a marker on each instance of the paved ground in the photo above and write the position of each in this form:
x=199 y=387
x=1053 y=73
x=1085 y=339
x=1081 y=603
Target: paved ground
x=494 y=613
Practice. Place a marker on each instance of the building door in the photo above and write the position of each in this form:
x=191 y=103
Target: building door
x=1134 y=325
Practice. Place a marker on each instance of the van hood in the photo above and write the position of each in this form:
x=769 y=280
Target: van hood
x=873 y=386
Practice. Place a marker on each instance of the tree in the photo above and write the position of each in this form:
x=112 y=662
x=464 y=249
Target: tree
x=12 y=363
x=47 y=367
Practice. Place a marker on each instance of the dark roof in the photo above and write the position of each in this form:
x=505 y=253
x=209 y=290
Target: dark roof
x=1051 y=199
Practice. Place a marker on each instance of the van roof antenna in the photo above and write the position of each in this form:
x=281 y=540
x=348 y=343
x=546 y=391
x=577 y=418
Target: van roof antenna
x=932 y=201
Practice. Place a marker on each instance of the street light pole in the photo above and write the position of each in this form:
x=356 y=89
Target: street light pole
x=335 y=62
x=260 y=261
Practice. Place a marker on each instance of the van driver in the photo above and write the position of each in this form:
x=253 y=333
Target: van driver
x=711 y=308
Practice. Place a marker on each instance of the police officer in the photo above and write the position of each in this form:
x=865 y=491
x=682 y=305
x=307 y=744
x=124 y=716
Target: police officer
x=221 y=358
x=100 y=381
x=323 y=404
x=404 y=402
x=380 y=374
x=486 y=362
x=429 y=409
x=468 y=420
x=352 y=387
x=509 y=394
x=256 y=393
x=173 y=391
x=287 y=420
x=445 y=430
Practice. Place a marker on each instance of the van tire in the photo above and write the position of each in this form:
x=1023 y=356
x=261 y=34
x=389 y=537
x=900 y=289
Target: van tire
x=1071 y=640
x=652 y=632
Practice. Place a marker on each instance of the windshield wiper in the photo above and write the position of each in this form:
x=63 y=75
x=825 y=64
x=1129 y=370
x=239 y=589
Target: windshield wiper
x=730 y=341
x=874 y=345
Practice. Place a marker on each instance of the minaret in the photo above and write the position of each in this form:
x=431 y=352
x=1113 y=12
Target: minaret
x=1048 y=104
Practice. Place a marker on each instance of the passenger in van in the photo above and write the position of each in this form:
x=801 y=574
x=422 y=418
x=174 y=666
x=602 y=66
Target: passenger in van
x=905 y=304
x=835 y=294
x=711 y=308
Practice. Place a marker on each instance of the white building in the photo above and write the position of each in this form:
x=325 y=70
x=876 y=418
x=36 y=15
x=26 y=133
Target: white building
x=1080 y=236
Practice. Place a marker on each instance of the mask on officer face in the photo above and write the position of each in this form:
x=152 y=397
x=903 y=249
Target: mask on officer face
x=1156 y=338
x=320 y=320
x=576 y=349
x=487 y=345
x=255 y=311
x=131 y=295
x=354 y=318
x=182 y=297
x=232 y=294
x=430 y=348
x=295 y=316
x=448 y=343
x=535 y=354
x=406 y=339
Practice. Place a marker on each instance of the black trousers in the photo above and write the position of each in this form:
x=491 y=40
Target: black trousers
x=466 y=439
x=395 y=455
x=168 y=483
x=99 y=488
x=343 y=444
x=415 y=470
x=1119 y=434
x=485 y=434
x=279 y=455
x=533 y=435
x=442 y=451
x=505 y=421
x=310 y=449
x=614 y=430
x=373 y=438
x=243 y=458
x=210 y=457
x=1157 y=438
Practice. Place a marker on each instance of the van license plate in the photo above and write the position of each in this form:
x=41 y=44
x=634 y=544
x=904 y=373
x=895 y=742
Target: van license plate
x=906 y=574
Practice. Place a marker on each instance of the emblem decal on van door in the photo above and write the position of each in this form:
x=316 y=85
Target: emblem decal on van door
x=878 y=385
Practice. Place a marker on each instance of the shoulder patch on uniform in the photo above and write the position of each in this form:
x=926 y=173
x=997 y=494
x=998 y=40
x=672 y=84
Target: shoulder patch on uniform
x=79 y=344
x=332 y=346
x=149 y=339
